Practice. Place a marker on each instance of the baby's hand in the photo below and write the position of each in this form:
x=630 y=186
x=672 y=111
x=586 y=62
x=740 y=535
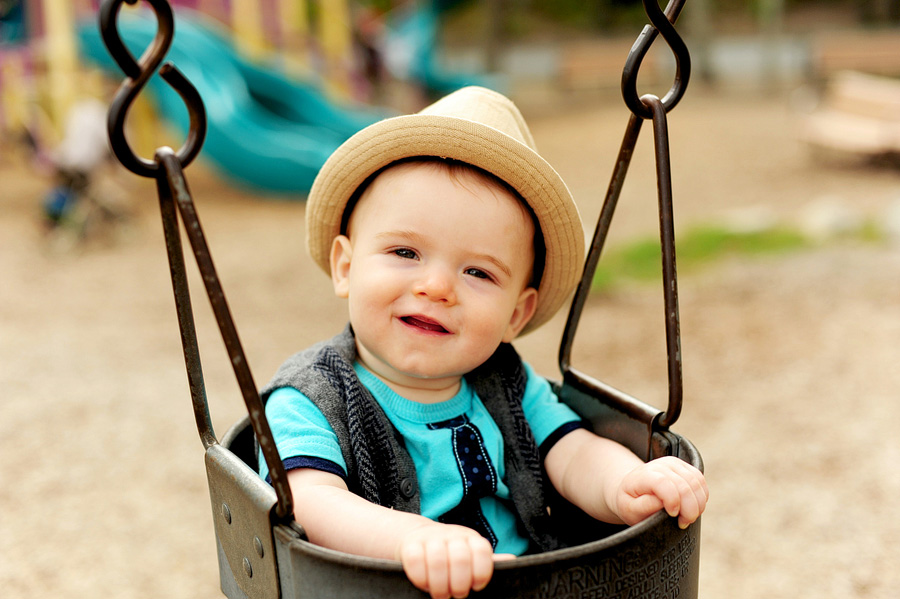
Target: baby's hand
x=446 y=560
x=665 y=483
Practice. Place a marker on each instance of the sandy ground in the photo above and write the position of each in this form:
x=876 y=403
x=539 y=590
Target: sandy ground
x=792 y=384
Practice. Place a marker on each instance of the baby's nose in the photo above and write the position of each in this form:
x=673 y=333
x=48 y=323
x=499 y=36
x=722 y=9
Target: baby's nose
x=438 y=285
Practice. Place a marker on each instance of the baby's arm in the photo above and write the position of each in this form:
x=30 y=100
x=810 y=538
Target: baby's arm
x=442 y=559
x=612 y=484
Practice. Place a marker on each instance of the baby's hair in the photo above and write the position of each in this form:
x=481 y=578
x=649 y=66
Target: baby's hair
x=456 y=168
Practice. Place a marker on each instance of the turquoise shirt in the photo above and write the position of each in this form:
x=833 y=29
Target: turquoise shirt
x=301 y=430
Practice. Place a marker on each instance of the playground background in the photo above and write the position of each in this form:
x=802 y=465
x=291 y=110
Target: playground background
x=791 y=377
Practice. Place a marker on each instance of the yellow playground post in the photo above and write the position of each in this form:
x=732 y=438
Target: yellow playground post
x=333 y=30
x=14 y=91
x=61 y=58
x=336 y=41
x=295 y=35
x=247 y=25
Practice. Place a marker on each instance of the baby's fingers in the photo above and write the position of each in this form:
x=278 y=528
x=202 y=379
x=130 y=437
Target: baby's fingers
x=447 y=564
x=412 y=556
x=470 y=565
x=635 y=509
x=682 y=489
x=482 y=563
x=678 y=487
x=693 y=502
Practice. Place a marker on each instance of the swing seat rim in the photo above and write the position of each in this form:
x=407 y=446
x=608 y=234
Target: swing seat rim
x=361 y=562
x=686 y=451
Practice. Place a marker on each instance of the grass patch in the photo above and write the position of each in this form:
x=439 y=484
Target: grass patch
x=641 y=260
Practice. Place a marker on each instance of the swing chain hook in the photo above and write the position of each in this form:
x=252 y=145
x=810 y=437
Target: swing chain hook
x=137 y=74
x=175 y=199
x=662 y=24
x=647 y=107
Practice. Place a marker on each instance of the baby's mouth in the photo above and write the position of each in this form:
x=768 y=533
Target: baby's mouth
x=426 y=324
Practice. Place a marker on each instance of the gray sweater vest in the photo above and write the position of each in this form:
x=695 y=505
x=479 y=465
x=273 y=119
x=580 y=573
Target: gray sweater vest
x=378 y=466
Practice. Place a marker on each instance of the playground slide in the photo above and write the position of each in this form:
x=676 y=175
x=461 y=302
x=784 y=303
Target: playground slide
x=265 y=131
x=411 y=51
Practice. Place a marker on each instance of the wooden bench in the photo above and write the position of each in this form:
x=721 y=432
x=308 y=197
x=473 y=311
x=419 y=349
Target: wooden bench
x=868 y=51
x=859 y=114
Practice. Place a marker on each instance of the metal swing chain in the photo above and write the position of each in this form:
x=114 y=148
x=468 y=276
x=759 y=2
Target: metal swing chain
x=175 y=198
x=653 y=108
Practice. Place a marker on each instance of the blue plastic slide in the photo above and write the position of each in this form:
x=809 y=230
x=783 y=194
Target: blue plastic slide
x=411 y=50
x=265 y=131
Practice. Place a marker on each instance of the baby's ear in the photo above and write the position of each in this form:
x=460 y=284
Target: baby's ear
x=525 y=307
x=341 y=252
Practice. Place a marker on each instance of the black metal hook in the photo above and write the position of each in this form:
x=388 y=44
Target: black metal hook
x=175 y=199
x=138 y=73
x=662 y=23
x=646 y=107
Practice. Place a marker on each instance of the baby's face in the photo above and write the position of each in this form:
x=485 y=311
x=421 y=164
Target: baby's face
x=436 y=271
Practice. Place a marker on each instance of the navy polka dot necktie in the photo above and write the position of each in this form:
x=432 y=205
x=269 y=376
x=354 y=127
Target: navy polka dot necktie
x=478 y=476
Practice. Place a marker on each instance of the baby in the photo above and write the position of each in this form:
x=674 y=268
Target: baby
x=418 y=434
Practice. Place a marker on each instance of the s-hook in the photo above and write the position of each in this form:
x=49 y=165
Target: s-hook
x=175 y=198
x=645 y=107
x=137 y=74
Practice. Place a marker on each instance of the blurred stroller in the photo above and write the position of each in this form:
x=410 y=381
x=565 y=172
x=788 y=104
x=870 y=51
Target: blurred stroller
x=84 y=203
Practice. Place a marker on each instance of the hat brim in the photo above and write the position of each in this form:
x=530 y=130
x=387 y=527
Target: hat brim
x=468 y=141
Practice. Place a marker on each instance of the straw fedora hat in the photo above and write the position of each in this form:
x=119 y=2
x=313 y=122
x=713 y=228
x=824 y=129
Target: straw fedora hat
x=473 y=125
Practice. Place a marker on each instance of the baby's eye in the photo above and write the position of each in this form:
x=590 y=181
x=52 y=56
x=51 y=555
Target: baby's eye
x=405 y=253
x=477 y=273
